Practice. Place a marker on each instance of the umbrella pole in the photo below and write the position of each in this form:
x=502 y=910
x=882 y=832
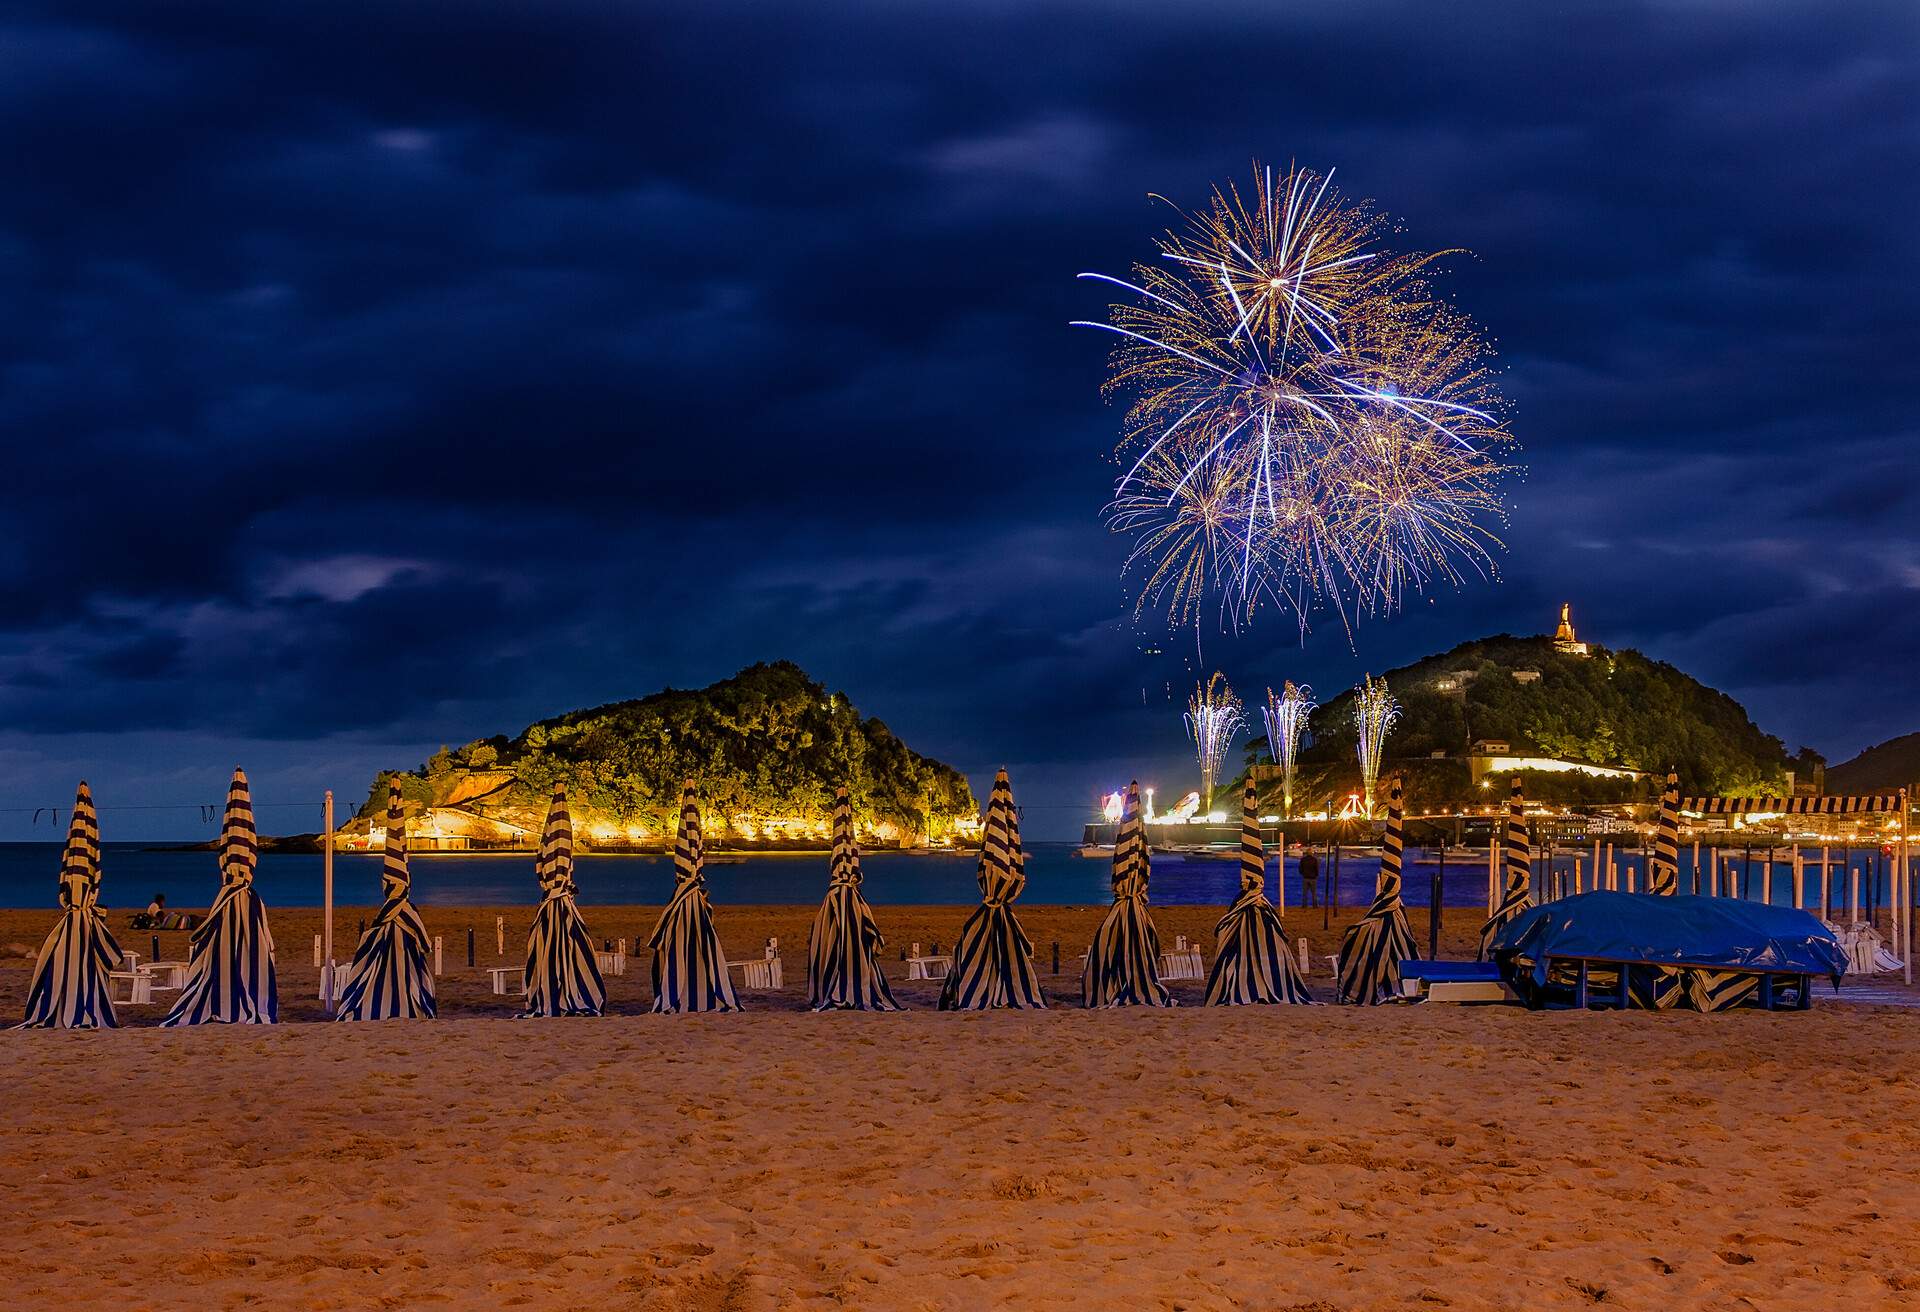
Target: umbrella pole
x=1905 y=885
x=326 y=898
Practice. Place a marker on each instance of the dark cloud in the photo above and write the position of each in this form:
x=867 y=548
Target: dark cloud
x=375 y=376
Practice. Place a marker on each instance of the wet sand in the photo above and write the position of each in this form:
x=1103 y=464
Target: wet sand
x=1314 y=1159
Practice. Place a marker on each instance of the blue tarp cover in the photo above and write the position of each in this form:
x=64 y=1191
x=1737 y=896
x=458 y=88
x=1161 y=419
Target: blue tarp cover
x=1718 y=933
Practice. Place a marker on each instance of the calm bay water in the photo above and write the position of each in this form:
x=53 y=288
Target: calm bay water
x=1055 y=877
x=131 y=874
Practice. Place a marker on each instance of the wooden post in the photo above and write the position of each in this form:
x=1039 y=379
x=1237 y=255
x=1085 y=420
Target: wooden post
x=1280 y=870
x=499 y=936
x=439 y=956
x=1799 y=881
x=1493 y=872
x=1826 y=898
x=326 y=902
x=1766 y=880
x=1696 y=867
x=1853 y=895
x=317 y=958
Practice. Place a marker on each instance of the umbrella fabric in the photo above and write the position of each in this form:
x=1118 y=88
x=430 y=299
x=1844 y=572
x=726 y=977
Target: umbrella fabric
x=843 y=968
x=993 y=960
x=1123 y=965
x=1659 y=988
x=230 y=977
x=1516 y=857
x=562 y=977
x=1663 y=871
x=689 y=965
x=69 y=986
x=391 y=978
x=1376 y=944
x=1251 y=962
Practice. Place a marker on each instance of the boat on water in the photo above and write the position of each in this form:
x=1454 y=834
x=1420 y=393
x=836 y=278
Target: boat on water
x=1461 y=856
x=1095 y=850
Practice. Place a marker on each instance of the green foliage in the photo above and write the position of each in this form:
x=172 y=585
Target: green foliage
x=1616 y=708
x=768 y=742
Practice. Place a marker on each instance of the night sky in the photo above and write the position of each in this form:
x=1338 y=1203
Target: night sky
x=398 y=374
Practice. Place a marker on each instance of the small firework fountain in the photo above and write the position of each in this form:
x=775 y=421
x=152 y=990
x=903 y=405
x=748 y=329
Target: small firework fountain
x=1311 y=423
x=1213 y=718
x=1375 y=712
x=1286 y=717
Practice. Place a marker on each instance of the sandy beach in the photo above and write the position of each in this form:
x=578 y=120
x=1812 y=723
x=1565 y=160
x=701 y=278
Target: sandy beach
x=1329 y=1158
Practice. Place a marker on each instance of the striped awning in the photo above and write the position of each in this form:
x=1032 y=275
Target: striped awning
x=1835 y=805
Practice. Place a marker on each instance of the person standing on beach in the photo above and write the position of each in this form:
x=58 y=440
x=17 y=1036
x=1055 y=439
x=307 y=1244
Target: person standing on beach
x=1309 y=878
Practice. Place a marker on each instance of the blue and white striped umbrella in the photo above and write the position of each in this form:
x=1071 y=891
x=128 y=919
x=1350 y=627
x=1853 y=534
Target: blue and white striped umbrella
x=1251 y=960
x=1123 y=963
x=1516 y=857
x=1376 y=944
x=562 y=977
x=69 y=986
x=993 y=959
x=392 y=978
x=1663 y=871
x=843 y=965
x=689 y=965
x=230 y=978
x=1661 y=988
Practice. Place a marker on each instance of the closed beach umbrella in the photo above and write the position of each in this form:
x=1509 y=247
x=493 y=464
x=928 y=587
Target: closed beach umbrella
x=391 y=978
x=689 y=966
x=563 y=975
x=1251 y=961
x=1663 y=871
x=69 y=987
x=1376 y=944
x=993 y=960
x=1123 y=964
x=1516 y=859
x=230 y=978
x=1659 y=988
x=843 y=968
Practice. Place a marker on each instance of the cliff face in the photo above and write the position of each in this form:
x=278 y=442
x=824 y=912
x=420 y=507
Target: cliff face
x=766 y=749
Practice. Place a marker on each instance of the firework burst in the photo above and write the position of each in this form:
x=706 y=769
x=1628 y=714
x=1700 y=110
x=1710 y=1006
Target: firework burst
x=1375 y=712
x=1213 y=718
x=1286 y=716
x=1308 y=424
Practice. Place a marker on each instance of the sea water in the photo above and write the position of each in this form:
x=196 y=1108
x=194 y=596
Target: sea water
x=1056 y=876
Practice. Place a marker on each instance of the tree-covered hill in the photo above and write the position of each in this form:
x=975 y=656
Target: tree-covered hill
x=1612 y=708
x=1891 y=765
x=767 y=748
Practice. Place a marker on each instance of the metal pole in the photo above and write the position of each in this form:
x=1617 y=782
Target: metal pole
x=326 y=901
x=1433 y=913
x=1907 y=901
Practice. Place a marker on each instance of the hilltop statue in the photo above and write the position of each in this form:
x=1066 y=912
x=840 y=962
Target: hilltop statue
x=1563 y=637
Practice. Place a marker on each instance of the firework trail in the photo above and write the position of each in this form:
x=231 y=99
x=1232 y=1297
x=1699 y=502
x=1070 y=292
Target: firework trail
x=1309 y=425
x=1375 y=712
x=1286 y=717
x=1213 y=718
